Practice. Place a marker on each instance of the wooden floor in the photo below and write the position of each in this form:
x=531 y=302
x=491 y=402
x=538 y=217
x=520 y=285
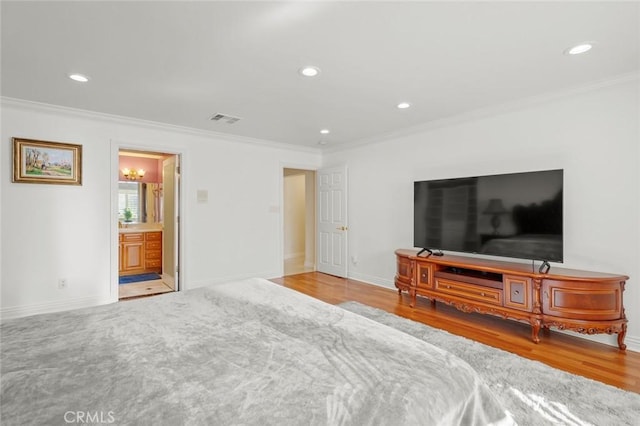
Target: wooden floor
x=573 y=354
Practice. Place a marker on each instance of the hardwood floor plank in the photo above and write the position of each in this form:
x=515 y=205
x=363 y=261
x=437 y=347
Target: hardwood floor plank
x=579 y=356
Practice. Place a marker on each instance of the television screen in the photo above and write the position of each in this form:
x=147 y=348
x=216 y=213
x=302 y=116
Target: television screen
x=513 y=215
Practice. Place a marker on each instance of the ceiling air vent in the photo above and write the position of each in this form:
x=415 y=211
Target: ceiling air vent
x=229 y=119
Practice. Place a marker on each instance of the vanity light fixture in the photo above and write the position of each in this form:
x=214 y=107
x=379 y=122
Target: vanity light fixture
x=79 y=77
x=133 y=174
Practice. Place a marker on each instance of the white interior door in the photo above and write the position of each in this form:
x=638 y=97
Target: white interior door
x=332 y=221
x=171 y=228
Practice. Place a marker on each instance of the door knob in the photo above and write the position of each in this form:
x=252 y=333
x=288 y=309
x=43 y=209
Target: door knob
x=342 y=228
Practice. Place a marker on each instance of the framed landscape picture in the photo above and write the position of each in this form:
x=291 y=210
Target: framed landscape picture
x=46 y=162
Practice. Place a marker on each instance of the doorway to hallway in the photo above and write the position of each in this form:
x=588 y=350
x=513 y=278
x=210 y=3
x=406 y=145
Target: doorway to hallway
x=299 y=219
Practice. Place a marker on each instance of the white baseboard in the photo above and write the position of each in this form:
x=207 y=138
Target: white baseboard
x=88 y=302
x=169 y=280
x=221 y=280
x=370 y=279
x=633 y=343
x=49 y=307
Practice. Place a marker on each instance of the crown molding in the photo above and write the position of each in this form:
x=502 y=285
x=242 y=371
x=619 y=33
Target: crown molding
x=420 y=128
x=486 y=112
x=118 y=119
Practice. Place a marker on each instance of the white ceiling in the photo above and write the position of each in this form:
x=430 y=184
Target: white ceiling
x=181 y=62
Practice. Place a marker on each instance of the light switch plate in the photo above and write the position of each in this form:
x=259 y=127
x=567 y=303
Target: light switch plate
x=203 y=196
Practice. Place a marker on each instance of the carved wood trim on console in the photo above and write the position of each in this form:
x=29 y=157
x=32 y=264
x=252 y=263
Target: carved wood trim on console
x=582 y=301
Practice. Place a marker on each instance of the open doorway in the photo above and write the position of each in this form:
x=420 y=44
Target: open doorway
x=299 y=219
x=148 y=196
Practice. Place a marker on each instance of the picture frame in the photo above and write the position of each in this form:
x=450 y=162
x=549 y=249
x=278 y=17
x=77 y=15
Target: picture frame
x=36 y=161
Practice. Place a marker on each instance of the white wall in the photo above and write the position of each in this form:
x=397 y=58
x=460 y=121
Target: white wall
x=594 y=136
x=55 y=231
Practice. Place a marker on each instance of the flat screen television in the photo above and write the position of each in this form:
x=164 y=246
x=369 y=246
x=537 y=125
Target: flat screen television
x=515 y=215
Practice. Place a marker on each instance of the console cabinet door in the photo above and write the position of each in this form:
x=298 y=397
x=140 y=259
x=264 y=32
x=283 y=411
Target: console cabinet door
x=404 y=271
x=517 y=292
x=582 y=300
x=424 y=275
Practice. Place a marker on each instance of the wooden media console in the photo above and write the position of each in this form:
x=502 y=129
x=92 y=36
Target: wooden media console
x=585 y=302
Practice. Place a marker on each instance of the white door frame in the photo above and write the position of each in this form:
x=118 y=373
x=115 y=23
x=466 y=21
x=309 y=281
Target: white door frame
x=172 y=278
x=280 y=248
x=116 y=147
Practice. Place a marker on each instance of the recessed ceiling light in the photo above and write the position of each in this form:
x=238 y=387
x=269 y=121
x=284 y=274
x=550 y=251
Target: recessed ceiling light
x=403 y=105
x=79 y=77
x=325 y=131
x=309 y=71
x=578 y=49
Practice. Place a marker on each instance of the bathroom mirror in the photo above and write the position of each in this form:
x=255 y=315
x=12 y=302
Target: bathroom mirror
x=139 y=202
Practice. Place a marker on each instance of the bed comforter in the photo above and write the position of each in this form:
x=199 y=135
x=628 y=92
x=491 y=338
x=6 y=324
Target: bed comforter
x=241 y=353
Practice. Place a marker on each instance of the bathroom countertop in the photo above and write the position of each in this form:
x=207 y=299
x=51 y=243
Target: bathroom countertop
x=134 y=229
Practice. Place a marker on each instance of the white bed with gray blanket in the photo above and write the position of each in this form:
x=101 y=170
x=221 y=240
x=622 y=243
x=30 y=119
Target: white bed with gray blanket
x=241 y=353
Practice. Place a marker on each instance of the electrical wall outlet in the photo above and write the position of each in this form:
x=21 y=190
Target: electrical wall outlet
x=62 y=283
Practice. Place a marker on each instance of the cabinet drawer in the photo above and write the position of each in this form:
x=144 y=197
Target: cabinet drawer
x=153 y=263
x=467 y=291
x=153 y=254
x=133 y=237
x=154 y=245
x=153 y=236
